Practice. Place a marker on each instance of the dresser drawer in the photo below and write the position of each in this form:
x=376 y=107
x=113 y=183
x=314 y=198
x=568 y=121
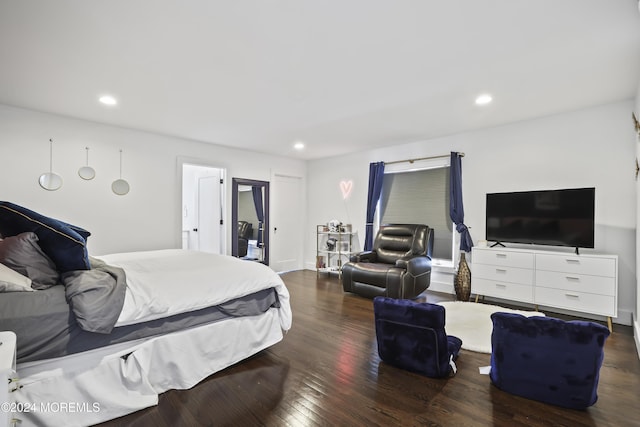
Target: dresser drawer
x=494 y=288
x=579 y=301
x=576 y=282
x=577 y=264
x=520 y=276
x=506 y=258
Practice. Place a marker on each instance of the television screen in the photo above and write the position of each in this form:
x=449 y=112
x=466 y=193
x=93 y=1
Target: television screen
x=553 y=217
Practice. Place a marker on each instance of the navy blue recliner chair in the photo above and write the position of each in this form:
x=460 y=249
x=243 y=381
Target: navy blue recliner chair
x=547 y=359
x=412 y=336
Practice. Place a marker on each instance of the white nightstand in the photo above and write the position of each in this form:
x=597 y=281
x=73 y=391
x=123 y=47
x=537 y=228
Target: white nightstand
x=7 y=372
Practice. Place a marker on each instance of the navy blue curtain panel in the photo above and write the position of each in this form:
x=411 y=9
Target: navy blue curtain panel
x=376 y=176
x=456 y=208
x=257 y=201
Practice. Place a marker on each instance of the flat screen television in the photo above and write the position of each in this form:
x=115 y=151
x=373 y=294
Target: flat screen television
x=552 y=217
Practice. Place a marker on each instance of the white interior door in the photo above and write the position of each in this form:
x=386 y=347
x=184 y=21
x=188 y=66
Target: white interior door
x=286 y=242
x=209 y=214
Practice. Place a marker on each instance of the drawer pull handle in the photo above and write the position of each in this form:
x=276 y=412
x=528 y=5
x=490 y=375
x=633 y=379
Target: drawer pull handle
x=500 y=270
x=573 y=278
x=573 y=261
x=501 y=255
x=500 y=285
x=572 y=295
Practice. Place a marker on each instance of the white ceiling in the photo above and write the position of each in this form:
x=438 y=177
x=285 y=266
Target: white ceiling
x=340 y=75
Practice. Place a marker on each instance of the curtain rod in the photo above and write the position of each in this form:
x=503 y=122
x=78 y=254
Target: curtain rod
x=421 y=158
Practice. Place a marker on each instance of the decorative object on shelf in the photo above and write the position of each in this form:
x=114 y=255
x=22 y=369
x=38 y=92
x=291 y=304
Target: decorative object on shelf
x=87 y=172
x=462 y=280
x=120 y=186
x=331 y=243
x=49 y=180
x=334 y=225
x=345 y=188
x=320 y=262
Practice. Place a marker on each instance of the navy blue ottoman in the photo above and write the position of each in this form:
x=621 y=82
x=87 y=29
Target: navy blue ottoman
x=547 y=359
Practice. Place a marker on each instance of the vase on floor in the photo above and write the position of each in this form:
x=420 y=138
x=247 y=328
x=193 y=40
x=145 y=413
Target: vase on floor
x=462 y=280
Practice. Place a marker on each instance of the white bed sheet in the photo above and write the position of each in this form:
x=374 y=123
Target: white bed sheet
x=172 y=281
x=86 y=389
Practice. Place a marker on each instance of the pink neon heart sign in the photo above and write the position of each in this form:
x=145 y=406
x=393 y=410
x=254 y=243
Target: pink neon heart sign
x=346 y=187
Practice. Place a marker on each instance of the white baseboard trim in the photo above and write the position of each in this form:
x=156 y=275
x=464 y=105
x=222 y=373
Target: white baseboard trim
x=636 y=335
x=443 y=287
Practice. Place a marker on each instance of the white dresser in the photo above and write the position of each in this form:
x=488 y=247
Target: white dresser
x=582 y=283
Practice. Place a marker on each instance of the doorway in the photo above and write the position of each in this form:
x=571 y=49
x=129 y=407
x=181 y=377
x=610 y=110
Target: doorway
x=203 y=208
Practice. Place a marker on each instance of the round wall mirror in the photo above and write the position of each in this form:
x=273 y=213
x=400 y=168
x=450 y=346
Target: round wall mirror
x=50 y=181
x=86 y=172
x=120 y=187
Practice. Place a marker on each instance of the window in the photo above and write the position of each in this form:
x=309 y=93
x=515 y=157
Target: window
x=420 y=196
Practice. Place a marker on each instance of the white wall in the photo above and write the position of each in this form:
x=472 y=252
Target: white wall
x=149 y=217
x=636 y=323
x=591 y=147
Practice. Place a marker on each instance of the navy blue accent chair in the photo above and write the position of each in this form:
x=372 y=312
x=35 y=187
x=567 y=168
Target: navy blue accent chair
x=412 y=336
x=546 y=359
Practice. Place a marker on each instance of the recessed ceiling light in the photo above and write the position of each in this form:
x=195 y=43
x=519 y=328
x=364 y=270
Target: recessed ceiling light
x=298 y=145
x=108 y=100
x=483 y=99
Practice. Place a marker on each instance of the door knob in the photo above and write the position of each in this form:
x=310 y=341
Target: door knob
x=195 y=229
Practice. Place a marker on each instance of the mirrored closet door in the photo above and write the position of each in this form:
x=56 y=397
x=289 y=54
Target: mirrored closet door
x=250 y=220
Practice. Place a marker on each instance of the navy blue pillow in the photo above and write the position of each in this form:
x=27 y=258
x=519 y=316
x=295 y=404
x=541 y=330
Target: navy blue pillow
x=64 y=243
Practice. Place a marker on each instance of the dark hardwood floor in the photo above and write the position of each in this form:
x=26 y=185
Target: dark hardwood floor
x=326 y=372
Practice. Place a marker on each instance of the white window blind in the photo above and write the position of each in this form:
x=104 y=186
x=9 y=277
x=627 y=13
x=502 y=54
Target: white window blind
x=420 y=197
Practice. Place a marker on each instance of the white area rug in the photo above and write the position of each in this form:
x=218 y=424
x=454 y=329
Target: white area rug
x=471 y=322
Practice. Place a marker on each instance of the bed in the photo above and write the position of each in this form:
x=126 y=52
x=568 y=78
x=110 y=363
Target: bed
x=107 y=338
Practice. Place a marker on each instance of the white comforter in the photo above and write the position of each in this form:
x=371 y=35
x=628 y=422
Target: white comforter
x=173 y=281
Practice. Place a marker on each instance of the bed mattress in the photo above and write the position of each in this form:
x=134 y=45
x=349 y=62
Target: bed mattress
x=46 y=328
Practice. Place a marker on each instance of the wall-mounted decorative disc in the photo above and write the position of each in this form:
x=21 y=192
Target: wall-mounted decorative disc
x=120 y=186
x=87 y=172
x=50 y=181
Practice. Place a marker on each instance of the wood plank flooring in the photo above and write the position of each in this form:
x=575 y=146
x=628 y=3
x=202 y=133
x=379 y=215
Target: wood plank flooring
x=326 y=372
